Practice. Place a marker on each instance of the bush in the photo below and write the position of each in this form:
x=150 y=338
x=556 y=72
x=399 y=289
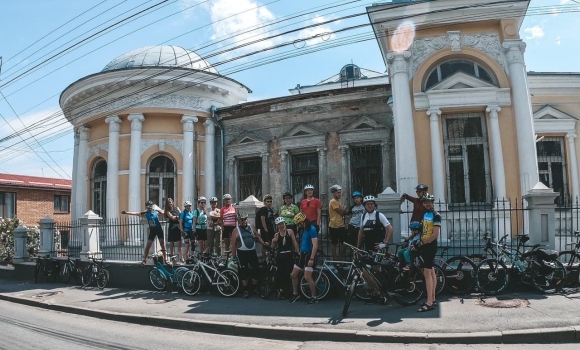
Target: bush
x=7 y=227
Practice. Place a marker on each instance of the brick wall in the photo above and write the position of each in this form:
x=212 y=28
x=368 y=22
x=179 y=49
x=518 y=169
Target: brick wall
x=32 y=204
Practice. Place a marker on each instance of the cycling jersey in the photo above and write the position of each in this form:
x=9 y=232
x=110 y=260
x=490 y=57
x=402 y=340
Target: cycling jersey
x=229 y=215
x=431 y=219
x=306 y=243
x=246 y=239
x=356 y=213
x=187 y=218
x=153 y=219
x=201 y=218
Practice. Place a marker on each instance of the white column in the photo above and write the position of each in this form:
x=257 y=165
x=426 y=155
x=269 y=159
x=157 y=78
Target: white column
x=188 y=182
x=437 y=160
x=81 y=183
x=523 y=111
x=322 y=183
x=113 y=167
x=406 y=155
x=73 y=197
x=265 y=174
x=231 y=187
x=344 y=181
x=496 y=153
x=573 y=167
x=209 y=171
x=136 y=120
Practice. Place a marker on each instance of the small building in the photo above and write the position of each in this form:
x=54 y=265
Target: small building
x=30 y=198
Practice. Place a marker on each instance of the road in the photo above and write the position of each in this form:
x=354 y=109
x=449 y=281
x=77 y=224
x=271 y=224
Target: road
x=23 y=327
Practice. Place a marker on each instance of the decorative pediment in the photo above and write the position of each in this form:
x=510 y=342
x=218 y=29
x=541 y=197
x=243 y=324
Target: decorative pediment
x=361 y=124
x=245 y=138
x=301 y=130
x=549 y=112
x=552 y=120
x=461 y=80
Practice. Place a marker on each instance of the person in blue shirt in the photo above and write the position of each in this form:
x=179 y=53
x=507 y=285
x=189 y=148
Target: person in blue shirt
x=404 y=254
x=308 y=249
x=155 y=230
x=187 y=228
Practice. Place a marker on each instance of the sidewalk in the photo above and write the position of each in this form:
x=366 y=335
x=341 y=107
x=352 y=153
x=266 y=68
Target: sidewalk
x=538 y=319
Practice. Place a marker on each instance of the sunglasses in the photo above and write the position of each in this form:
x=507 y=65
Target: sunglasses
x=200 y=202
x=268 y=201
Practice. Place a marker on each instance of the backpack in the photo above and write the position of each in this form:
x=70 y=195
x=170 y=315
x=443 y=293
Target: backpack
x=378 y=224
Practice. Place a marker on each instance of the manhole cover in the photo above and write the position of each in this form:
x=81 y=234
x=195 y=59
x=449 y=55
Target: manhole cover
x=503 y=303
x=46 y=294
x=156 y=301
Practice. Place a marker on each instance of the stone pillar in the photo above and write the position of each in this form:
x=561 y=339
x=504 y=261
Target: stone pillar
x=81 y=179
x=249 y=206
x=231 y=184
x=188 y=183
x=573 y=163
x=265 y=173
x=437 y=161
x=136 y=120
x=113 y=167
x=322 y=176
x=73 y=195
x=344 y=178
x=284 y=171
x=389 y=203
x=406 y=155
x=209 y=171
x=20 y=251
x=386 y=161
x=496 y=153
x=541 y=223
x=46 y=237
x=526 y=136
x=90 y=232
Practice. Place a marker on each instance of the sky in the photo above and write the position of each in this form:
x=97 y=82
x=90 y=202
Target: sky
x=35 y=70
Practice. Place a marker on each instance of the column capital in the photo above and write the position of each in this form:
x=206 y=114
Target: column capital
x=398 y=62
x=209 y=127
x=514 y=50
x=343 y=149
x=188 y=121
x=136 y=120
x=83 y=132
x=283 y=154
x=571 y=136
x=114 y=123
x=231 y=161
x=493 y=110
x=322 y=151
x=264 y=155
x=434 y=113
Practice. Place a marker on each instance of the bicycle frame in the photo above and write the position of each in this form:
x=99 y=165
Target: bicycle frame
x=203 y=266
x=326 y=267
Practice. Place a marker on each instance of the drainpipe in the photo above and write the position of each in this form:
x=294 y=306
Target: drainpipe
x=213 y=109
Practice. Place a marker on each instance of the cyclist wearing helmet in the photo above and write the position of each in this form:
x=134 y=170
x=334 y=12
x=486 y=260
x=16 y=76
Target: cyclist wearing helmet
x=308 y=249
x=404 y=254
x=243 y=248
x=284 y=240
x=288 y=211
x=355 y=212
x=187 y=228
x=174 y=236
x=311 y=207
x=427 y=247
x=213 y=227
x=227 y=219
x=336 y=229
x=155 y=230
x=265 y=219
x=418 y=208
x=200 y=224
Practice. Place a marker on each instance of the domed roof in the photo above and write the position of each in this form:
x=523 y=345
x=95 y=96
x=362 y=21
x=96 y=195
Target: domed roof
x=160 y=56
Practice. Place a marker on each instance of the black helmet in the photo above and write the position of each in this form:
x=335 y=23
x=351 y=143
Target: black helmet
x=422 y=187
x=287 y=194
x=149 y=204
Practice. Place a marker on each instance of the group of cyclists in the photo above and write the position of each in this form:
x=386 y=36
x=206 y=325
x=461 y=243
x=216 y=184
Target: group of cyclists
x=294 y=233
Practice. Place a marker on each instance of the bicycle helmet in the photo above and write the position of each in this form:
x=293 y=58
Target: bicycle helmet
x=201 y=199
x=279 y=220
x=149 y=204
x=428 y=198
x=187 y=203
x=309 y=187
x=357 y=194
x=213 y=199
x=227 y=196
x=242 y=215
x=286 y=194
x=422 y=187
x=267 y=196
x=415 y=225
x=335 y=188
x=369 y=199
x=300 y=217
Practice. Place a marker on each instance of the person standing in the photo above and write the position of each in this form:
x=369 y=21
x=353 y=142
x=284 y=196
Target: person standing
x=288 y=211
x=355 y=212
x=418 y=208
x=311 y=207
x=174 y=236
x=284 y=240
x=306 y=262
x=228 y=219
x=265 y=220
x=200 y=224
x=336 y=229
x=213 y=228
x=186 y=225
x=155 y=230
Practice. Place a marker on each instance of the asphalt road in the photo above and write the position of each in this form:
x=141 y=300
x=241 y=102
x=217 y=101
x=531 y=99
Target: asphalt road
x=23 y=327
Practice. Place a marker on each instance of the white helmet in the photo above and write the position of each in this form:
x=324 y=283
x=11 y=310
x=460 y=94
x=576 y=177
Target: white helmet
x=227 y=196
x=213 y=199
x=187 y=203
x=335 y=188
x=369 y=199
x=309 y=187
x=202 y=198
x=279 y=220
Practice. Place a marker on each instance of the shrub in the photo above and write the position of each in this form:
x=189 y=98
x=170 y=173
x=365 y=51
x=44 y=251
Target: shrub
x=7 y=227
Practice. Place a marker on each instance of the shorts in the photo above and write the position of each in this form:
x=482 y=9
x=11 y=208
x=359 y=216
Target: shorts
x=174 y=234
x=189 y=236
x=303 y=260
x=337 y=235
x=201 y=234
x=155 y=232
x=249 y=265
x=428 y=253
x=352 y=237
x=228 y=230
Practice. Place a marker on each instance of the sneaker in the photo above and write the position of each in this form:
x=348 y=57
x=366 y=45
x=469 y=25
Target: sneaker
x=295 y=297
x=246 y=294
x=312 y=301
x=280 y=295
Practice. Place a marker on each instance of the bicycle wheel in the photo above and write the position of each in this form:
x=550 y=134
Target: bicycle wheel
x=51 y=272
x=102 y=278
x=408 y=287
x=459 y=275
x=228 y=283
x=191 y=282
x=321 y=282
x=492 y=276
x=178 y=276
x=267 y=286
x=570 y=259
x=78 y=274
x=157 y=279
x=65 y=272
x=549 y=277
x=87 y=276
x=440 y=278
x=349 y=295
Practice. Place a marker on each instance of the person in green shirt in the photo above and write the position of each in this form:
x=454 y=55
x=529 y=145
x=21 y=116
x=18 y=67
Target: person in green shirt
x=288 y=211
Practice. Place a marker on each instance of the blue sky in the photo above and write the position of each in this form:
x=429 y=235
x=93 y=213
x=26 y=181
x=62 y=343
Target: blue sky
x=553 y=45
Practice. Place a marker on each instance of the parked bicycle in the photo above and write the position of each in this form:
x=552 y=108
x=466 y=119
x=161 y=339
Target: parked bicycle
x=159 y=276
x=211 y=273
x=47 y=267
x=70 y=268
x=418 y=262
x=268 y=283
x=97 y=271
x=571 y=261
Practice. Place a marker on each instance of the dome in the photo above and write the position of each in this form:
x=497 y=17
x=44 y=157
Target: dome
x=160 y=56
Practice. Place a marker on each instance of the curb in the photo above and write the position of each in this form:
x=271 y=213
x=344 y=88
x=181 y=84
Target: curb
x=530 y=336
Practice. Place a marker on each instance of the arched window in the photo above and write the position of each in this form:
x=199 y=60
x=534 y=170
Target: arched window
x=99 y=188
x=451 y=67
x=161 y=177
x=350 y=72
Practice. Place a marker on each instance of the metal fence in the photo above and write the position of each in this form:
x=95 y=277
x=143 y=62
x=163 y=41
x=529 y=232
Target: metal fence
x=567 y=221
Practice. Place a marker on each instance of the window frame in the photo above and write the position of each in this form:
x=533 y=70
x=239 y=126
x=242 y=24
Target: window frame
x=3 y=204
x=380 y=167
x=60 y=197
x=257 y=159
x=159 y=175
x=102 y=190
x=476 y=68
x=299 y=192
x=563 y=159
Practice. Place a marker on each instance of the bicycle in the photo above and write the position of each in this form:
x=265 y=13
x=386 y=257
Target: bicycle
x=268 y=283
x=159 y=275
x=48 y=267
x=70 y=268
x=439 y=272
x=226 y=280
x=541 y=267
x=571 y=260
x=95 y=270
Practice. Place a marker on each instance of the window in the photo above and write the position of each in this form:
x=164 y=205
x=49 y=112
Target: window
x=161 y=180
x=552 y=166
x=249 y=178
x=350 y=72
x=99 y=188
x=449 y=68
x=7 y=204
x=467 y=159
x=366 y=169
x=61 y=204
x=304 y=171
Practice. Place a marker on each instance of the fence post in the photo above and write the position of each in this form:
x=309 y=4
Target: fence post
x=389 y=203
x=249 y=206
x=46 y=237
x=20 y=251
x=542 y=215
x=90 y=236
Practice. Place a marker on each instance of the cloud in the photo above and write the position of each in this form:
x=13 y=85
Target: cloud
x=535 y=32
x=558 y=41
x=564 y=2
